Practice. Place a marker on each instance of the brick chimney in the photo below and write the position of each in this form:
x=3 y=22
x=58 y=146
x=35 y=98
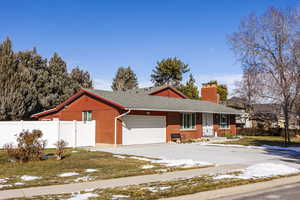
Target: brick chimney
x=209 y=93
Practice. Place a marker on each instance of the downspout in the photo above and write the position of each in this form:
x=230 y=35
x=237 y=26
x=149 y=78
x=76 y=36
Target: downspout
x=116 y=120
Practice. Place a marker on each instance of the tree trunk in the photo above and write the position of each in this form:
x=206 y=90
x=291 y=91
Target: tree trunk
x=287 y=139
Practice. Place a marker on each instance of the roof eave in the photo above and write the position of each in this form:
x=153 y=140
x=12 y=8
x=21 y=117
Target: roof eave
x=183 y=111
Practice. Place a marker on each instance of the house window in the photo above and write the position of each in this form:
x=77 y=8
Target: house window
x=224 y=121
x=87 y=115
x=188 y=120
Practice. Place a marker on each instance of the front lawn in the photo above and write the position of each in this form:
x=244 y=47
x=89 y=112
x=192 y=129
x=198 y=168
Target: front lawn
x=263 y=140
x=78 y=166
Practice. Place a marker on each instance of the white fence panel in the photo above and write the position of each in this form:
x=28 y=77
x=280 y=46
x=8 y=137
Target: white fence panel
x=67 y=132
x=83 y=134
x=77 y=134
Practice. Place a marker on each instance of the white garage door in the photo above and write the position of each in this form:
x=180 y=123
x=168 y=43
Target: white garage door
x=141 y=129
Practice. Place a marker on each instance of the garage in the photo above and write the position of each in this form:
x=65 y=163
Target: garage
x=143 y=129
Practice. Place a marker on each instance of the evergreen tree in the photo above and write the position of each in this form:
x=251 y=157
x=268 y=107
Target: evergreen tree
x=29 y=84
x=125 y=79
x=59 y=86
x=190 y=89
x=80 y=79
x=8 y=69
x=169 y=72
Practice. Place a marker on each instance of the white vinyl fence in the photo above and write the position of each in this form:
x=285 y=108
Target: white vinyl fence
x=76 y=133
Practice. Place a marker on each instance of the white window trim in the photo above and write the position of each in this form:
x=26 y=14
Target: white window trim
x=228 y=122
x=83 y=115
x=193 y=126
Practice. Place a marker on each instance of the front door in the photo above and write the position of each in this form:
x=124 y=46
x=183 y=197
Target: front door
x=207 y=123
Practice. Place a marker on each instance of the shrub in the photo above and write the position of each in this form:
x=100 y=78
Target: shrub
x=229 y=136
x=60 y=149
x=29 y=147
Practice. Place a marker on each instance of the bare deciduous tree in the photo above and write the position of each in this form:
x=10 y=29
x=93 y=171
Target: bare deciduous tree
x=271 y=43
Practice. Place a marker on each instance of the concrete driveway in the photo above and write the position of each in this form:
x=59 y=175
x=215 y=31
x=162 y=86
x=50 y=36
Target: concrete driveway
x=213 y=154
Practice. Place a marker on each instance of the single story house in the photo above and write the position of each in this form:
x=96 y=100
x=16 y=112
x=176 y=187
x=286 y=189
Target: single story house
x=147 y=115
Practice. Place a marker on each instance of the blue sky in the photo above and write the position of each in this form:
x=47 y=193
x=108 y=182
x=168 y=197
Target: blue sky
x=102 y=35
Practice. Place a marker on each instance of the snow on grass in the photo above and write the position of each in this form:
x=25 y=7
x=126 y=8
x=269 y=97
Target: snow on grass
x=147 y=166
x=157 y=188
x=119 y=196
x=85 y=196
x=91 y=170
x=262 y=170
x=119 y=156
x=5 y=186
x=68 y=174
x=19 y=183
x=30 y=178
x=3 y=180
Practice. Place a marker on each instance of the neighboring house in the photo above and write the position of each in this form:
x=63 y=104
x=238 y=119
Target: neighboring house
x=263 y=116
x=148 y=115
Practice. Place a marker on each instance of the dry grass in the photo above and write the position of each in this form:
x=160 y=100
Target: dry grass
x=264 y=140
x=106 y=164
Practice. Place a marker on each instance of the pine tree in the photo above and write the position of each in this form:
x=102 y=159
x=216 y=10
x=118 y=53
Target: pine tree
x=190 y=89
x=169 y=72
x=59 y=86
x=125 y=79
x=29 y=84
x=8 y=69
x=80 y=79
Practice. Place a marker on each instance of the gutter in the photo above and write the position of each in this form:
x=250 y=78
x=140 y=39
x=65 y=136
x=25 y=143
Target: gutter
x=116 y=120
x=185 y=111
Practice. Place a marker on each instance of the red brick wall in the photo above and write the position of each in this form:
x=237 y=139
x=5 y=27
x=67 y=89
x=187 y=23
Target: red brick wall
x=221 y=132
x=209 y=94
x=167 y=93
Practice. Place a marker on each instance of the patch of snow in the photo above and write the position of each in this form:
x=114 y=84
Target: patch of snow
x=157 y=189
x=84 y=178
x=118 y=196
x=30 y=178
x=151 y=189
x=3 y=180
x=91 y=170
x=89 y=190
x=85 y=196
x=183 y=163
x=4 y=186
x=164 y=188
x=147 y=166
x=68 y=174
x=262 y=170
x=119 y=156
x=19 y=183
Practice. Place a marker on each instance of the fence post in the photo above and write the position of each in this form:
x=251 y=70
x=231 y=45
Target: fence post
x=75 y=133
